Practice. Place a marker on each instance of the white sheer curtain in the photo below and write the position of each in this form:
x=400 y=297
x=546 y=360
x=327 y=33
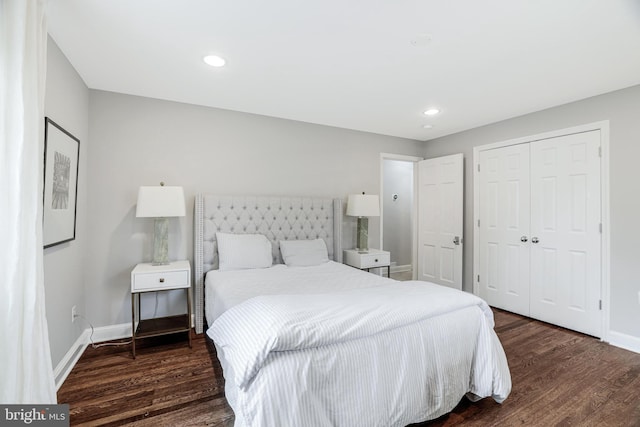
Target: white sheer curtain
x=26 y=375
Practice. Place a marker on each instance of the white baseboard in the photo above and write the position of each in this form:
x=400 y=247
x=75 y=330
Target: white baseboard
x=628 y=342
x=400 y=268
x=112 y=332
x=62 y=370
x=382 y=271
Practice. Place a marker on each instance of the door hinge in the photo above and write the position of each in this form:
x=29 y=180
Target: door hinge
x=600 y=304
x=600 y=227
x=478 y=167
x=478 y=223
x=478 y=278
x=599 y=151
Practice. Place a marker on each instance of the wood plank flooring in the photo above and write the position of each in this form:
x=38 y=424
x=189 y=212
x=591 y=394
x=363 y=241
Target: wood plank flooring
x=560 y=378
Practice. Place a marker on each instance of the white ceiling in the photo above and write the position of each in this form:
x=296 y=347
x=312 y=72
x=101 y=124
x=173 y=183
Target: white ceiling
x=351 y=63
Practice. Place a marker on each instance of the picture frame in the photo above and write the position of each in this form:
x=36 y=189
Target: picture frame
x=60 y=193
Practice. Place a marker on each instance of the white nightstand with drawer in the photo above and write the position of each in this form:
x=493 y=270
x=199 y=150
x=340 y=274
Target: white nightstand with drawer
x=147 y=277
x=373 y=258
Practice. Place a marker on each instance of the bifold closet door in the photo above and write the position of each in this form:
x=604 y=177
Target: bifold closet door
x=504 y=228
x=565 y=232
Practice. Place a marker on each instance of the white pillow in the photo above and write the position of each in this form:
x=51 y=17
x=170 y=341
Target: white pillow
x=303 y=253
x=243 y=251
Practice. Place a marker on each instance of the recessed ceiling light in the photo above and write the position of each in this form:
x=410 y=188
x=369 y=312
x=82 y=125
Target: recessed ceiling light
x=214 y=61
x=421 y=40
x=427 y=126
x=431 y=112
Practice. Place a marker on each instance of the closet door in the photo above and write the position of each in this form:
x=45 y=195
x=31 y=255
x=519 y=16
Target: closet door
x=504 y=228
x=565 y=231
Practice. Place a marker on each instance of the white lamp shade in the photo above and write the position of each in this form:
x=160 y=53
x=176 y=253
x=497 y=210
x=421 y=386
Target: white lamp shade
x=160 y=201
x=363 y=205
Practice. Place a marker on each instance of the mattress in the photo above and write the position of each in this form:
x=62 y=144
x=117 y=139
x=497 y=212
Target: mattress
x=225 y=289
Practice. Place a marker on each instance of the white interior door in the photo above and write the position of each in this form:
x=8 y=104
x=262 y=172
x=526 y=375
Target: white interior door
x=565 y=230
x=440 y=220
x=504 y=228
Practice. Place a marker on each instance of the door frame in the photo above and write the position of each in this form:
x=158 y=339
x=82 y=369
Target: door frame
x=603 y=127
x=414 y=210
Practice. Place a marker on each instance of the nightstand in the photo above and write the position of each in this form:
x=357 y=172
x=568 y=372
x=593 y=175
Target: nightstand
x=371 y=259
x=147 y=277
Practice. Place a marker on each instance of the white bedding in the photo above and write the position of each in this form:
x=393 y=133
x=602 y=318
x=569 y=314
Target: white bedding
x=225 y=289
x=391 y=355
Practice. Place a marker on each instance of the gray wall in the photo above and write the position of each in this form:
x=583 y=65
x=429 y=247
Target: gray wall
x=67 y=104
x=140 y=141
x=396 y=224
x=622 y=108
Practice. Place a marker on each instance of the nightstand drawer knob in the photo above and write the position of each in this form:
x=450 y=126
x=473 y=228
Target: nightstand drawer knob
x=376 y=260
x=162 y=280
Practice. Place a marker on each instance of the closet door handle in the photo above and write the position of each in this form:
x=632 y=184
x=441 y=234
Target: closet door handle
x=534 y=240
x=524 y=239
x=456 y=240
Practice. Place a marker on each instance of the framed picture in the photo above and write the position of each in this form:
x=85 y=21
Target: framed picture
x=61 y=155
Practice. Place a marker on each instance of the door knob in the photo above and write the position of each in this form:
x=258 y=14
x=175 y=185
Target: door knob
x=534 y=240
x=524 y=239
x=456 y=240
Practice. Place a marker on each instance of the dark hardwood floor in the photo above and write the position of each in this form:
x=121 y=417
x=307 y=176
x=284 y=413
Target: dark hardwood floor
x=560 y=378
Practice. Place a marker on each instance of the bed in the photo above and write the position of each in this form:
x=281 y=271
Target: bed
x=327 y=344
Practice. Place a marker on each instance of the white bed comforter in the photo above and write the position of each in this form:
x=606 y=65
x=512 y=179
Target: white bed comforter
x=409 y=350
x=226 y=289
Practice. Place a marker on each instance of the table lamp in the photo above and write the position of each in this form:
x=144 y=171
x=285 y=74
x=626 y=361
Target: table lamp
x=161 y=203
x=363 y=206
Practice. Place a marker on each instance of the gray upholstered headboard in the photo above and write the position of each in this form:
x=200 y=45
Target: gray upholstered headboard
x=278 y=218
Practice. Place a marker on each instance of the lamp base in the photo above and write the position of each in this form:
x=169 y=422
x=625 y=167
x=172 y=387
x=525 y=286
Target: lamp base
x=161 y=241
x=362 y=242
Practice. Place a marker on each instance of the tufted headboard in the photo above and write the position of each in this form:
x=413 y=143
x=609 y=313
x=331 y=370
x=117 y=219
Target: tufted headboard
x=278 y=218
